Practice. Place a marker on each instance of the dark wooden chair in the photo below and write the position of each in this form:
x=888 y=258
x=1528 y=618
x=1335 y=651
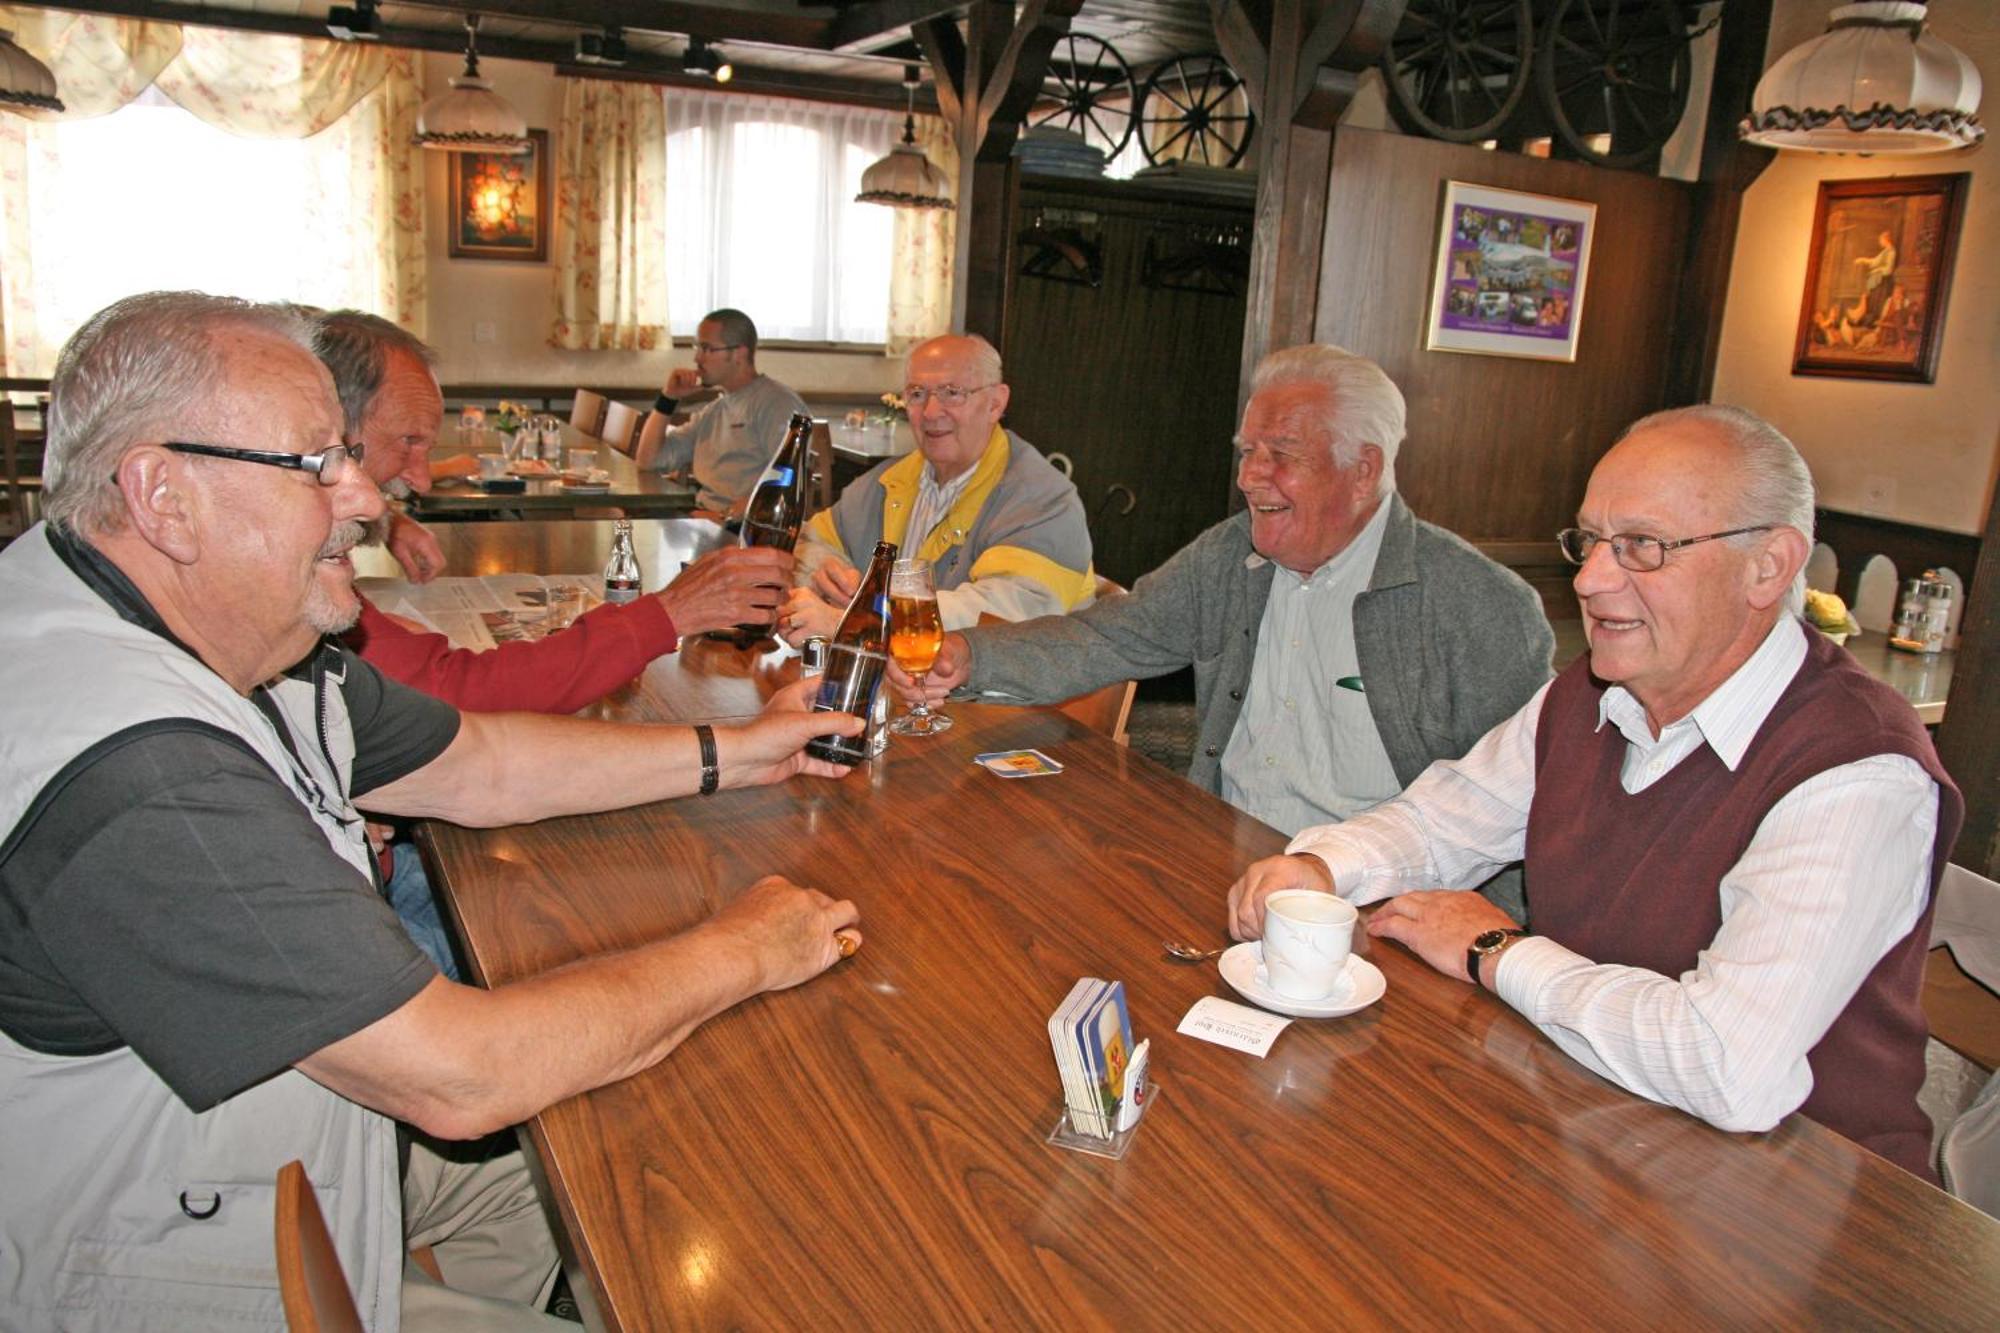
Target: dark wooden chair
x=586 y=411
x=1107 y=709
x=621 y=423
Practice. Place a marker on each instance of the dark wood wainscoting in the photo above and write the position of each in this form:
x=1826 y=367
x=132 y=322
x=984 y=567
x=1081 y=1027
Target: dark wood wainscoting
x=1911 y=549
x=1499 y=448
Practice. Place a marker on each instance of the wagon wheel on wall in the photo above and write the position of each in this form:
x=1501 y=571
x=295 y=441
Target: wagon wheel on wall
x=1456 y=69
x=1195 y=109
x=1088 y=90
x=1617 y=68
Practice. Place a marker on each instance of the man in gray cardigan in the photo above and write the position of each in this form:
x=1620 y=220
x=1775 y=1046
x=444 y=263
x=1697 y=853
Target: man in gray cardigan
x=1339 y=643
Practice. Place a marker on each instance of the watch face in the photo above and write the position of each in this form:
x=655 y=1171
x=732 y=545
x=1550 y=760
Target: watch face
x=1490 y=940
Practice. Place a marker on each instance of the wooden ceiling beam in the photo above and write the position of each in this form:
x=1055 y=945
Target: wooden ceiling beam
x=861 y=28
x=1016 y=80
x=711 y=21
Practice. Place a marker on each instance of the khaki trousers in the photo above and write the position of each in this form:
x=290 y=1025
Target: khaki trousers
x=491 y=1239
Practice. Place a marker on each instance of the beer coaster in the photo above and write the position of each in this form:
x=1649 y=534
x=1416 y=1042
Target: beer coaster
x=1017 y=763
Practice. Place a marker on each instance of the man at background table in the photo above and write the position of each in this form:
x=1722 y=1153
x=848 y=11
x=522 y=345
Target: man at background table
x=728 y=442
x=391 y=405
x=1731 y=831
x=199 y=982
x=1003 y=530
x=1339 y=643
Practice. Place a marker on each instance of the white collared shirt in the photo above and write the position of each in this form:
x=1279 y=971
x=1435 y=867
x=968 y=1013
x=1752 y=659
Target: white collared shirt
x=932 y=504
x=1305 y=748
x=1837 y=873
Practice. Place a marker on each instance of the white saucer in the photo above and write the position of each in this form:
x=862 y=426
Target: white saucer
x=1242 y=966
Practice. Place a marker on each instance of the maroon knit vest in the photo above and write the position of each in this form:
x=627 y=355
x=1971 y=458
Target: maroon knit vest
x=1634 y=879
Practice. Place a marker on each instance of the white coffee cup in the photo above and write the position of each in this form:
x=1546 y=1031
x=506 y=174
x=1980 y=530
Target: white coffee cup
x=1307 y=939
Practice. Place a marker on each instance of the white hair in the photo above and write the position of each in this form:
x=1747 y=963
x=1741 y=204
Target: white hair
x=142 y=370
x=1777 y=486
x=1367 y=405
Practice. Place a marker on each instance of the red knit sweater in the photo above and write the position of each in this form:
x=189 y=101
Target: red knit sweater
x=560 y=674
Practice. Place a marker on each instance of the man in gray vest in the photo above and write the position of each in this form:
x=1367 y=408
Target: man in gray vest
x=1731 y=831
x=1339 y=643
x=728 y=441
x=199 y=981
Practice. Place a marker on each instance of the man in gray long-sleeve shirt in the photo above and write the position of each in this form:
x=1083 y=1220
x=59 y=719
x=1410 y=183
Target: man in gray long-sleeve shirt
x=1339 y=643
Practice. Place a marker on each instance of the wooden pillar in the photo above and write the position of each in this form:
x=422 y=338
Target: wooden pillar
x=1968 y=739
x=986 y=81
x=1301 y=61
x=1728 y=167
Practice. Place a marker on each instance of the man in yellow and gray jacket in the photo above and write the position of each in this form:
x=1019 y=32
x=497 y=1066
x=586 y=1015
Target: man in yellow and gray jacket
x=1003 y=530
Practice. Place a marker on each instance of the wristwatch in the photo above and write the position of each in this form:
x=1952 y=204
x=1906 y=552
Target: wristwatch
x=1485 y=945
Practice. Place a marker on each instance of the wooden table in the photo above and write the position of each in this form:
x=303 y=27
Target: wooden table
x=868 y=1150
x=633 y=490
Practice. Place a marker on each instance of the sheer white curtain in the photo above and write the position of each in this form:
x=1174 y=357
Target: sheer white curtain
x=761 y=215
x=267 y=167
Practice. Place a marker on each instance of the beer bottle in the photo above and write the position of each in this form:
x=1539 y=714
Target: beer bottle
x=621 y=571
x=855 y=657
x=777 y=506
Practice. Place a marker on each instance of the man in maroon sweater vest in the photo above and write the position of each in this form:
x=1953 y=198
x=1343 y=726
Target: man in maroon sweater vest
x=1731 y=832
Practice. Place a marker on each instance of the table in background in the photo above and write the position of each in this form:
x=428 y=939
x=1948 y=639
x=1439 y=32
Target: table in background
x=1922 y=679
x=632 y=489
x=868 y=1149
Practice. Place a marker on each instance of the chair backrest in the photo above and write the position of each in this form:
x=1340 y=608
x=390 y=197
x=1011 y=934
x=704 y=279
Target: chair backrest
x=819 y=492
x=1823 y=569
x=15 y=521
x=620 y=421
x=586 y=413
x=1108 y=708
x=650 y=432
x=1875 y=595
x=310 y=1280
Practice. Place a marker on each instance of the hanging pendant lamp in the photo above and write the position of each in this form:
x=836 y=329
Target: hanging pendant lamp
x=471 y=118
x=24 y=80
x=1876 y=81
x=906 y=178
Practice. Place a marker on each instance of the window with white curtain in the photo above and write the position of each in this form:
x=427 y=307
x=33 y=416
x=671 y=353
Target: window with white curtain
x=761 y=215
x=151 y=197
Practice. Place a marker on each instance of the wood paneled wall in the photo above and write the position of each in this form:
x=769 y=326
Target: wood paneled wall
x=1499 y=448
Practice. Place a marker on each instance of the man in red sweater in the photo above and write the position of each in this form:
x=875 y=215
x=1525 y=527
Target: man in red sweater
x=391 y=404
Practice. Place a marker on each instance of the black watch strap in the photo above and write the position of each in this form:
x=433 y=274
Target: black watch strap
x=711 y=772
x=665 y=405
x=1487 y=943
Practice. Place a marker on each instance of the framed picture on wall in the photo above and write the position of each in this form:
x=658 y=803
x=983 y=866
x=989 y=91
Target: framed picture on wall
x=1510 y=273
x=500 y=203
x=1878 y=272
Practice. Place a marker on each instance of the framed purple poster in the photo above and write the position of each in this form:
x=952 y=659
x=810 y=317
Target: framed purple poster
x=1510 y=273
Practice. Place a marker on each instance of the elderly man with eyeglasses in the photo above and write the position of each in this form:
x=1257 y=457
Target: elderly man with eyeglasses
x=199 y=980
x=1003 y=530
x=729 y=440
x=1731 y=832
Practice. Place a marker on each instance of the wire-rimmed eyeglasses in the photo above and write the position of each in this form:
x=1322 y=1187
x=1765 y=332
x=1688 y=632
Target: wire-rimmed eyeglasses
x=328 y=465
x=951 y=395
x=707 y=349
x=1636 y=551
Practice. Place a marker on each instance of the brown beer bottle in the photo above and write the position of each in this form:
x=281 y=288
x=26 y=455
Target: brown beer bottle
x=777 y=506
x=855 y=658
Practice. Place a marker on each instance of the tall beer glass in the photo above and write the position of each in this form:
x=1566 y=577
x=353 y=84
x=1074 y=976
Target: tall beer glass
x=915 y=635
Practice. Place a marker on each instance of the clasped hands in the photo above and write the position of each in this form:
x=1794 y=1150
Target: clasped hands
x=1437 y=925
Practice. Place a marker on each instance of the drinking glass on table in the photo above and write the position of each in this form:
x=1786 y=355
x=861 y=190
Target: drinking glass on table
x=915 y=636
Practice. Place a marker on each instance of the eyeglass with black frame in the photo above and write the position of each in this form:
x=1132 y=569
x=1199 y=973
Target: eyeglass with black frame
x=951 y=395
x=1636 y=551
x=328 y=465
x=703 y=348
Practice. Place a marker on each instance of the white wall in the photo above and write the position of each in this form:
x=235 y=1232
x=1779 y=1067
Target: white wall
x=518 y=299
x=1918 y=453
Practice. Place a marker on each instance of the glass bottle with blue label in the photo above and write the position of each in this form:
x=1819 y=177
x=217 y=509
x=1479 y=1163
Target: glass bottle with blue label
x=777 y=505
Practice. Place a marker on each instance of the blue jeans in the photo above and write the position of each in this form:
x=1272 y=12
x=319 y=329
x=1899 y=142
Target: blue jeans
x=409 y=892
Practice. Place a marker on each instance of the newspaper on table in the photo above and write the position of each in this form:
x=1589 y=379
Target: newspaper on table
x=481 y=612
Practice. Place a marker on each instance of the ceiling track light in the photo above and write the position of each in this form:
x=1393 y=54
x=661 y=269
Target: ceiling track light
x=354 y=23
x=704 y=61
x=471 y=118
x=606 y=48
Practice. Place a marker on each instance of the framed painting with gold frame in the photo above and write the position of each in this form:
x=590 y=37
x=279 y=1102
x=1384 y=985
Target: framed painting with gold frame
x=500 y=203
x=1878 y=274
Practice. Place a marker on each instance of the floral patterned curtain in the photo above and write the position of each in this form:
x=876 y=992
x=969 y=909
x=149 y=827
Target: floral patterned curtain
x=920 y=270
x=610 y=237
x=250 y=85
